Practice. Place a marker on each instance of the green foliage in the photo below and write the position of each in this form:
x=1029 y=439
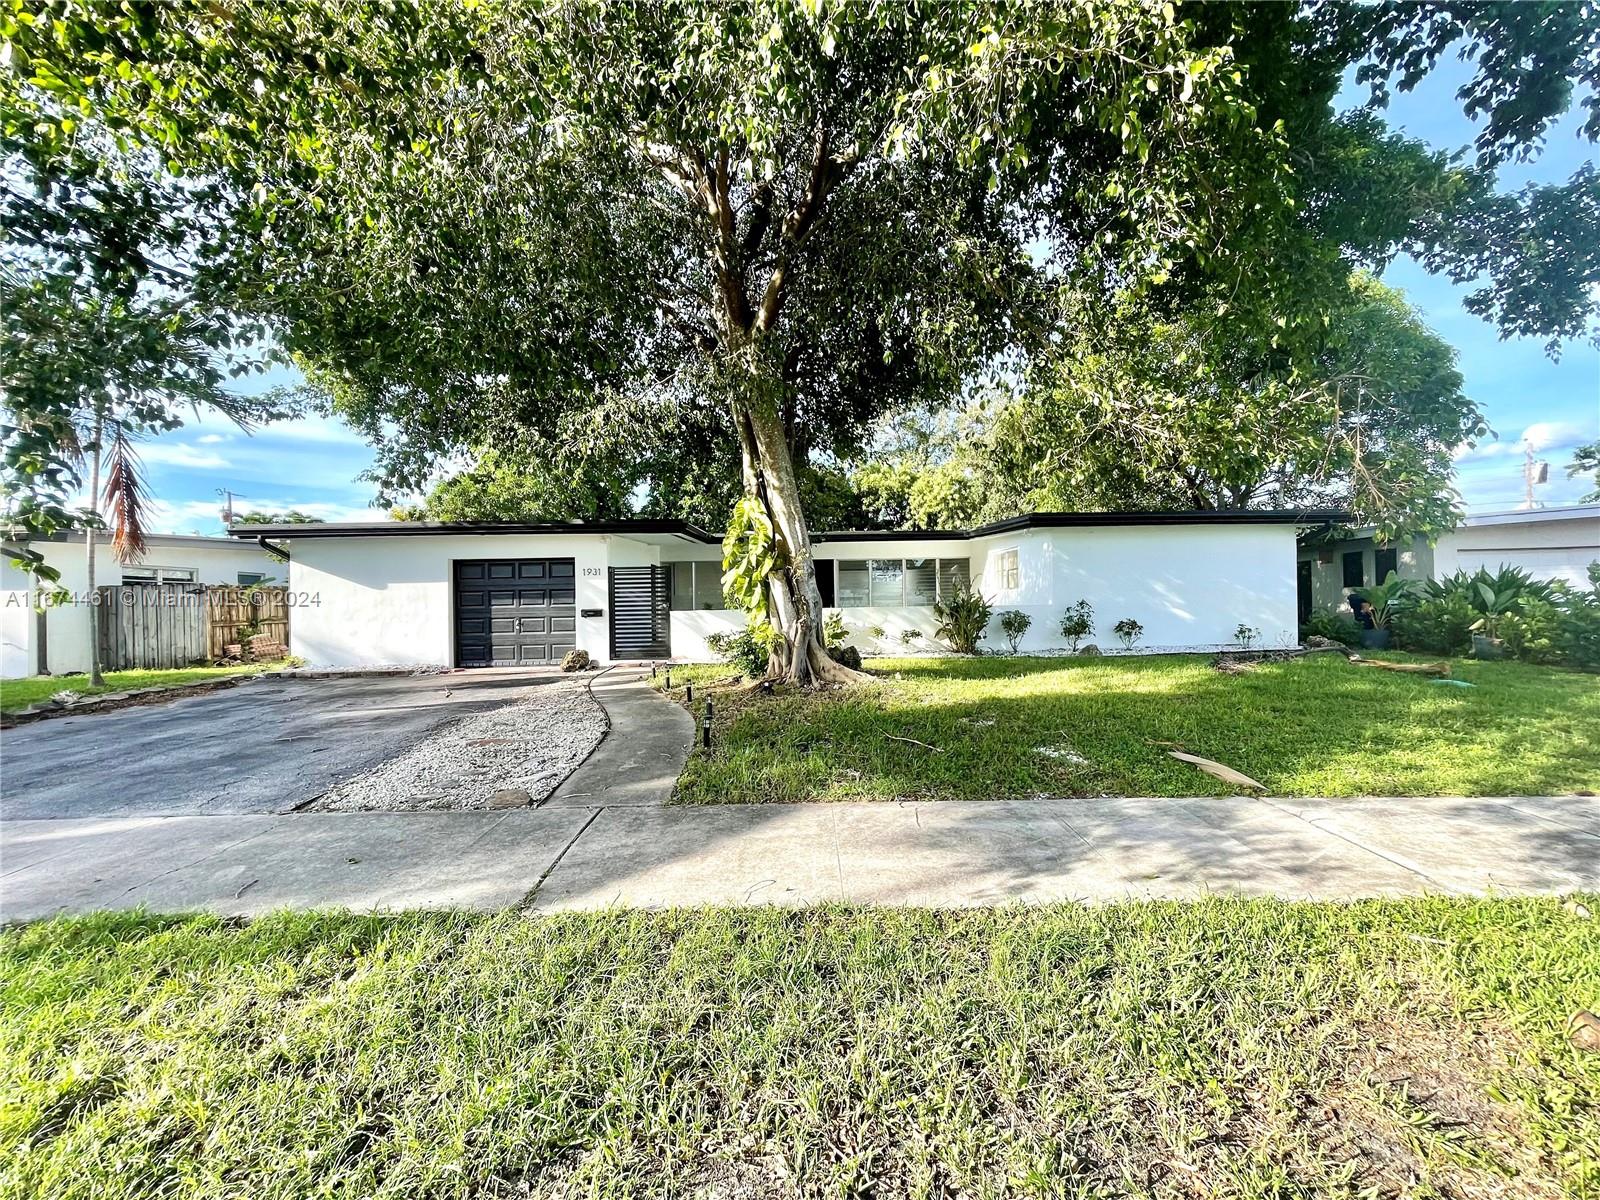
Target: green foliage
x=1077 y=623
x=834 y=631
x=1563 y=629
x=1336 y=626
x=1245 y=635
x=1586 y=461
x=1014 y=623
x=1128 y=632
x=1394 y=595
x=910 y=637
x=293 y=517
x=1439 y=624
x=749 y=555
x=963 y=617
x=743 y=649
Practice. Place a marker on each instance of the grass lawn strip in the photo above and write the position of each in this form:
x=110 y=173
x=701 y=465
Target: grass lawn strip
x=1006 y=728
x=1220 y=1048
x=17 y=694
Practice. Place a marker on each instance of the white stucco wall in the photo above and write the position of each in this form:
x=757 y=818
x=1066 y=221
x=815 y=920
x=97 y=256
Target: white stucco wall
x=1558 y=547
x=215 y=561
x=1188 y=585
x=371 y=601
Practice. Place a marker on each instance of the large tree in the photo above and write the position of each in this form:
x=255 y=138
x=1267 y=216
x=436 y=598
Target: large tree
x=489 y=225
x=480 y=221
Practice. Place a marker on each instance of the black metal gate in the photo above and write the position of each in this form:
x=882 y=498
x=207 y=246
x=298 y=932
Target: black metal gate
x=641 y=622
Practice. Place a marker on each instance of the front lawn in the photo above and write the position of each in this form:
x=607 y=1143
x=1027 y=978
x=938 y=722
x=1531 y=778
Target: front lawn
x=1223 y=1048
x=35 y=689
x=1012 y=727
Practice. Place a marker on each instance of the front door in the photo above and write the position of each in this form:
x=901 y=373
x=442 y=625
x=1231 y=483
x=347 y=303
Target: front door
x=515 y=612
x=1303 y=588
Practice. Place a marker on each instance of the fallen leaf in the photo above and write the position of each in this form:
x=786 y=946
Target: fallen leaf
x=1224 y=773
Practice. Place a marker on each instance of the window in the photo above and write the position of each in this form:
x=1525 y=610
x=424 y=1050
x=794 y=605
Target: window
x=149 y=575
x=888 y=583
x=695 y=586
x=1010 y=570
x=853 y=585
x=1355 y=569
x=250 y=578
x=1384 y=562
x=895 y=582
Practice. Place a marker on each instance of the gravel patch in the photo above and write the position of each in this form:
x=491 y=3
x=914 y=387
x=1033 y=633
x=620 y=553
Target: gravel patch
x=529 y=745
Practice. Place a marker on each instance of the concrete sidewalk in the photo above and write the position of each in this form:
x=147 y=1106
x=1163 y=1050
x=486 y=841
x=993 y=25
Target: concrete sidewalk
x=943 y=854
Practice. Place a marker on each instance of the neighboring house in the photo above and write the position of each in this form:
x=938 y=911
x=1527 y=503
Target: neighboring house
x=55 y=641
x=1547 y=543
x=466 y=594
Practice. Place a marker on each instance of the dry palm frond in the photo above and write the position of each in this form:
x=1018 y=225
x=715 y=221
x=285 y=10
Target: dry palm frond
x=125 y=498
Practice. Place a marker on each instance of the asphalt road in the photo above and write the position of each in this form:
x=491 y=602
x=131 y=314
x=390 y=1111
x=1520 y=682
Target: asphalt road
x=265 y=746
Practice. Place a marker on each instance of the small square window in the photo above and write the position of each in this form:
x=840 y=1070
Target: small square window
x=1010 y=570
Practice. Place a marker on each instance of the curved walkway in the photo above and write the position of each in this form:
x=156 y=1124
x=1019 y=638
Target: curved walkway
x=642 y=753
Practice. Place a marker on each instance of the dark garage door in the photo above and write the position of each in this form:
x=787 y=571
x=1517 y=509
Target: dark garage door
x=514 y=612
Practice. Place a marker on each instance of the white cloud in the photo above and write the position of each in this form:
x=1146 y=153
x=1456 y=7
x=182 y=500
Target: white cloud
x=1549 y=435
x=211 y=439
x=178 y=454
x=205 y=516
x=311 y=429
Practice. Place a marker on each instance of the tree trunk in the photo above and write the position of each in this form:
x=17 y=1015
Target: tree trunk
x=794 y=602
x=95 y=678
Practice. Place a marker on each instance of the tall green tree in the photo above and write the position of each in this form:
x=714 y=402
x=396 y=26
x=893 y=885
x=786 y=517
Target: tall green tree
x=478 y=220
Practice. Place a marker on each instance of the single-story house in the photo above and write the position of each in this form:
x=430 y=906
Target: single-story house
x=470 y=594
x=1547 y=543
x=55 y=640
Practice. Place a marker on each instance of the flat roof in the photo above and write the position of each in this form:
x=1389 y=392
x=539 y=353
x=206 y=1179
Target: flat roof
x=683 y=529
x=1523 y=516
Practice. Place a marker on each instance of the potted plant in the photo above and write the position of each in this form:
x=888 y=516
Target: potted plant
x=1077 y=623
x=1383 y=601
x=1496 y=607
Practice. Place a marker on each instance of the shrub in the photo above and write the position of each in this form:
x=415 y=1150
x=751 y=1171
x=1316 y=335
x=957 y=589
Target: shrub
x=1439 y=625
x=1511 y=585
x=1562 y=630
x=742 y=650
x=1335 y=626
x=962 y=619
x=1128 y=632
x=834 y=632
x=1077 y=623
x=1245 y=634
x=575 y=660
x=1014 y=624
x=877 y=631
x=1392 y=597
x=907 y=636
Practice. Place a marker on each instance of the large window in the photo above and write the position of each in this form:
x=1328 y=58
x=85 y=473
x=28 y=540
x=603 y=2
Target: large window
x=159 y=574
x=1355 y=575
x=897 y=582
x=696 y=585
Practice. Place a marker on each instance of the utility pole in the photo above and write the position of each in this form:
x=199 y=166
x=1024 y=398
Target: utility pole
x=1532 y=473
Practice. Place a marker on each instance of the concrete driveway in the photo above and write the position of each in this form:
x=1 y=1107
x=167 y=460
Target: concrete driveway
x=266 y=746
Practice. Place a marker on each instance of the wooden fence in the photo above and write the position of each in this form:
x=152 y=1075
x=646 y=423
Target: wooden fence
x=151 y=627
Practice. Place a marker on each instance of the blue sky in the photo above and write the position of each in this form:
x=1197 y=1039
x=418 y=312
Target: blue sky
x=313 y=464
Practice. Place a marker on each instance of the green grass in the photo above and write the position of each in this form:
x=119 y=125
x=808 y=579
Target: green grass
x=1012 y=727
x=35 y=689
x=1246 y=1049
